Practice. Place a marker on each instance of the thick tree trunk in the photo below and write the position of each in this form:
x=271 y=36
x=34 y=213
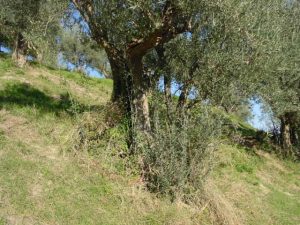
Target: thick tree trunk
x=140 y=96
x=122 y=85
x=286 y=140
x=130 y=93
x=286 y=136
x=294 y=138
x=167 y=89
x=294 y=130
x=289 y=125
x=122 y=92
x=20 y=51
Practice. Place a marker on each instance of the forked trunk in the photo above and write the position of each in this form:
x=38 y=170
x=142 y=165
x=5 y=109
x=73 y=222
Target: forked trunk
x=20 y=51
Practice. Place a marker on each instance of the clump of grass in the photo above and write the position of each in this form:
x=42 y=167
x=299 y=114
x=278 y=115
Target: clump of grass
x=6 y=64
x=244 y=168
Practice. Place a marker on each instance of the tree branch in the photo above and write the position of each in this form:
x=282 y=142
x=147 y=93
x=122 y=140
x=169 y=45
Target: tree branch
x=169 y=29
x=86 y=9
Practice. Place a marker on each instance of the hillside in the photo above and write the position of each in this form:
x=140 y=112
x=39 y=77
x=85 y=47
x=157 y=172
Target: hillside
x=45 y=179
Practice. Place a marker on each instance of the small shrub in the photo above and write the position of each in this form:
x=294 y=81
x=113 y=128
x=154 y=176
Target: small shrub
x=178 y=156
x=103 y=133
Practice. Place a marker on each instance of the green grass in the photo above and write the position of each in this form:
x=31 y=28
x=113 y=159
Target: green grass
x=284 y=207
x=45 y=180
x=262 y=188
x=5 y=63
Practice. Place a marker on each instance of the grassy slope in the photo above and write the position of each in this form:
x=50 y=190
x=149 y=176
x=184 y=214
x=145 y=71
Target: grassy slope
x=42 y=181
x=260 y=188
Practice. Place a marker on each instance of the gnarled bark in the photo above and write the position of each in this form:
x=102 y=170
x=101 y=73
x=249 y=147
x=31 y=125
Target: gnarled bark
x=122 y=82
x=20 y=51
x=285 y=133
x=127 y=63
x=140 y=96
x=288 y=131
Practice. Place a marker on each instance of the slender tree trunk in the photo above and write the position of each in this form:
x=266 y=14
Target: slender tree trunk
x=40 y=57
x=160 y=50
x=168 y=94
x=20 y=51
x=167 y=89
x=80 y=69
x=183 y=97
x=186 y=89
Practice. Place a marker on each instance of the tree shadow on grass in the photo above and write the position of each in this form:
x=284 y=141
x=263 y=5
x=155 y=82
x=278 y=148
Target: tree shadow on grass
x=24 y=94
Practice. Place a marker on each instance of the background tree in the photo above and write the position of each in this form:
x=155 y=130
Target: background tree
x=77 y=48
x=279 y=67
x=16 y=18
x=30 y=27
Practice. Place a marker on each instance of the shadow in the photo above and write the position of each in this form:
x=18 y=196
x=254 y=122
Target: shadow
x=246 y=131
x=3 y=55
x=252 y=139
x=25 y=95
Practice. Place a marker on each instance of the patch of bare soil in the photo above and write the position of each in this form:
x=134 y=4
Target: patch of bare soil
x=14 y=78
x=17 y=127
x=38 y=73
x=273 y=162
x=19 y=220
